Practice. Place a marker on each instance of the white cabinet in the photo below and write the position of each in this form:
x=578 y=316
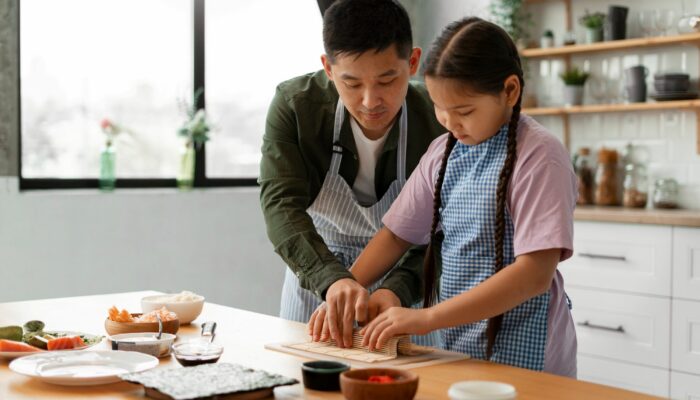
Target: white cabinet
x=635 y=291
x=621 y=257
x=686 y=263
x=686 y=336
x=649 y=380
x=685 y=386
x=622 y=326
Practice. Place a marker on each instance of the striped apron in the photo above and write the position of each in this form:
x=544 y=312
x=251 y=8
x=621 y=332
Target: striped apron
x=468 y=218
x=344 y=224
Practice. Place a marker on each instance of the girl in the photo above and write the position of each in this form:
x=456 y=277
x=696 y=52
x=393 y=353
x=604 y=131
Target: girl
x=503 y=191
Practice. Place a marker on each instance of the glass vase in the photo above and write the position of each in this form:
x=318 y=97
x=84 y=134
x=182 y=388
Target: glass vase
x=108 y=177
x=185 y=177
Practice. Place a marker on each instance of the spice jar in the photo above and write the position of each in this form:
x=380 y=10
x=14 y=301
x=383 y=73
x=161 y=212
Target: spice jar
x=606 y=178
x=665 y=193
x=635 y=181
x=584 y=175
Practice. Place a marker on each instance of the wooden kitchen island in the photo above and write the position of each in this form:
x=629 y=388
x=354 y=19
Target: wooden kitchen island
x=244 y=335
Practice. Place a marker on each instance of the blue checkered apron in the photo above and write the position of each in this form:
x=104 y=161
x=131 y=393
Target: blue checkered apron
x=344 y=224
x=468 y=219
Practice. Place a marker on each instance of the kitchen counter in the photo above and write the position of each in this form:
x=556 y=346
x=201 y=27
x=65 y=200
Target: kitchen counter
x=243 y=335
x=690 y=218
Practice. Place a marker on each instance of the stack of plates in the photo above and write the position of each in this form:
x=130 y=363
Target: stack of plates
x=673 y=87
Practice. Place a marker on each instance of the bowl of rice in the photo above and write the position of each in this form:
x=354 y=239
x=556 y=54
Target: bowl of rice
x=186 y=305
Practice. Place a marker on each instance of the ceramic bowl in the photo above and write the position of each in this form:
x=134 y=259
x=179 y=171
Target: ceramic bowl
x=671 y=82
x=481 y=390
x=187 y=311
x=322 y=375
x=116 y=328
x=355 y=384
x=144 y=343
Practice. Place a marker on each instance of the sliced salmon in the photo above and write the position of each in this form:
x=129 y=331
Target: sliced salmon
x=64 y=343
x=12 y=346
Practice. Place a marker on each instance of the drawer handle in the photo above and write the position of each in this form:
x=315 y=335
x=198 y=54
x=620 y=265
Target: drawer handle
x=587 y=324
x=602 y=257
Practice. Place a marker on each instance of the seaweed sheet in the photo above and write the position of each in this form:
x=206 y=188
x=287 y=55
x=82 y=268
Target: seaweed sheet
x=207 y=381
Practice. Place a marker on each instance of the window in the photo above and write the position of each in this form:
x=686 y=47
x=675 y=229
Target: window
x=135 y=62
x=83 y=61
x=251 y=47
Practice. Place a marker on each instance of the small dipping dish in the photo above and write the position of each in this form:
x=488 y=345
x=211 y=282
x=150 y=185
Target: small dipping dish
x=481 y=390
x=323 y=375
x=197 y=352
x=144 y=342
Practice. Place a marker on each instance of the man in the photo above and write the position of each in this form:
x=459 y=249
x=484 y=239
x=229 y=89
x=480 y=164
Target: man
x=338 y=146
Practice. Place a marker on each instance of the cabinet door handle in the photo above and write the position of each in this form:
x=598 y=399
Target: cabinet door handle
x=602 y=257
x=587 y=324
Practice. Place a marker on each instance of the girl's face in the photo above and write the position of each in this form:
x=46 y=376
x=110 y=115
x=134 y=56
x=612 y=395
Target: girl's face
x=472 y=117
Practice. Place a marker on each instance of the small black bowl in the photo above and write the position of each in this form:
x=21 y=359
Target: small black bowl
x=323 y=375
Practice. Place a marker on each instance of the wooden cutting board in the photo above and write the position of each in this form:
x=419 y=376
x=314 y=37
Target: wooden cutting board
x=402 y=361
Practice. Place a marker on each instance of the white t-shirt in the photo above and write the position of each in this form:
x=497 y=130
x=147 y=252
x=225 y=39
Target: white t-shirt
x=368 y=151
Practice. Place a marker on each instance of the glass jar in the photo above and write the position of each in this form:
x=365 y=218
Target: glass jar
x=606 y=178
x=584 y=176
x=665 y=193
x=634 y=193
x=635 y=186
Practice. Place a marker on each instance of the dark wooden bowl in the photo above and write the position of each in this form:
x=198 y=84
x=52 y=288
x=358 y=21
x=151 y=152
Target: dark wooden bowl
x=355 y=385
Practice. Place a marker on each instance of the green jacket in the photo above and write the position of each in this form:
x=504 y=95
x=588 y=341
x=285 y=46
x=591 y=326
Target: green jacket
x=296 y=154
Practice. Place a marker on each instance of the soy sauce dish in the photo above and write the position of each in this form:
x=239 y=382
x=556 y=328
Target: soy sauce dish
x=323 y=375
x=197 y=352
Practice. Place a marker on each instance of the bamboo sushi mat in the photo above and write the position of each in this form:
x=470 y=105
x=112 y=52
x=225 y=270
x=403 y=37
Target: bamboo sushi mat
x=397 y=352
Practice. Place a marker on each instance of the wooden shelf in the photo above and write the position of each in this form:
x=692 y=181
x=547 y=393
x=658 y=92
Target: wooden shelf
x=627 y=44
x=609 y=108
x=689 y=218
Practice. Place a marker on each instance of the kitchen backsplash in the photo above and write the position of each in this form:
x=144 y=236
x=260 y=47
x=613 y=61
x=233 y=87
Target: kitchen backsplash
x=666 y=139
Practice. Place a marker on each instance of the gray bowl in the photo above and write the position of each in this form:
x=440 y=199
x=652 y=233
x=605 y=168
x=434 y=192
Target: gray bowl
x=671 y=86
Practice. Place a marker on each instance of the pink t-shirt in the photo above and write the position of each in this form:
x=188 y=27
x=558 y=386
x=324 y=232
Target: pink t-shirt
x=541 y=199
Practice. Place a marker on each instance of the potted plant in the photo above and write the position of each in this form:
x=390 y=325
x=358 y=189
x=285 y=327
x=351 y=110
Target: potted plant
x=194 y=132
x=547 y=39
x=574 y=79
x=594 y=26
x=512 y=17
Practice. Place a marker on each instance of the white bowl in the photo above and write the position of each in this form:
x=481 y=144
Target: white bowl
x=186 y=311
x=481 y=390
x=144 y=343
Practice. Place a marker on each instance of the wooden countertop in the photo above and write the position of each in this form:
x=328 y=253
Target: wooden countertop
x=244 y=334
x=690 y=218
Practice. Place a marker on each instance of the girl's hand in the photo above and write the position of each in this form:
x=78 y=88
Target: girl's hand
x=380 y=301
x=395 y=321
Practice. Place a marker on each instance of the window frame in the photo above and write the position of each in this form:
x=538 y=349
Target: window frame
x=200 y=178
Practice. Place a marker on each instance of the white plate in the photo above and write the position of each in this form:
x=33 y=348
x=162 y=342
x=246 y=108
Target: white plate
x=82 y=368
x=11 y=355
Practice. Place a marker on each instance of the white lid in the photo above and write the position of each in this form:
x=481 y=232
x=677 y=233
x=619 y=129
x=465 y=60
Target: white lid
x=481 y=390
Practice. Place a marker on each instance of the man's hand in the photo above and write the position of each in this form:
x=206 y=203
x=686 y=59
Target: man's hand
x=380 y=301
x=346 y=301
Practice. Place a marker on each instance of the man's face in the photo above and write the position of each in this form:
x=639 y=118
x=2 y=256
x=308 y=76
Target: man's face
x=372 y=85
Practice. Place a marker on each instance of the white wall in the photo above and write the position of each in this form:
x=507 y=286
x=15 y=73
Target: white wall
x=73 y=243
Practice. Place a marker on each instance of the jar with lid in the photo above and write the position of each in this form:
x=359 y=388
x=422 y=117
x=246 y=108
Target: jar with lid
x=584 y=176
x=634 y=192
x=606 y=178
x=665 y=193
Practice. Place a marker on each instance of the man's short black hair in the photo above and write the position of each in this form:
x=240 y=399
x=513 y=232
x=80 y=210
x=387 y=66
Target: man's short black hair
x=356 y=26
